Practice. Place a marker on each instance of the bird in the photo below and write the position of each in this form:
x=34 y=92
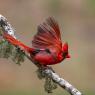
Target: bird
x=47 y=47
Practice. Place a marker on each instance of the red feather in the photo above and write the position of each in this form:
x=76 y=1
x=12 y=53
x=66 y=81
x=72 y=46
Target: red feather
x=47 y=46
x=48 y=35
x=15 y=42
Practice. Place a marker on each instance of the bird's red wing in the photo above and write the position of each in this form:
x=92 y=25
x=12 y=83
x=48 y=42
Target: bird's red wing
x=48 y=35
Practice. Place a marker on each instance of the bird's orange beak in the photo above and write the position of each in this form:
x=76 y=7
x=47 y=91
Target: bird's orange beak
x=68 y=56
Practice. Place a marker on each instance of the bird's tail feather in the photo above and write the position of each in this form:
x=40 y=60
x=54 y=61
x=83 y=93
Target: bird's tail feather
x=15 y=42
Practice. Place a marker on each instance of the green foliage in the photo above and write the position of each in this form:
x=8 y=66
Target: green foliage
x=40 y=73
x=49 y=85
x=18 y=55
x=1 y=31
x=7 y=50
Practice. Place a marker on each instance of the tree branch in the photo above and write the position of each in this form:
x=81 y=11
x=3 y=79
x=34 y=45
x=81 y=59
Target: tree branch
x=6 y=27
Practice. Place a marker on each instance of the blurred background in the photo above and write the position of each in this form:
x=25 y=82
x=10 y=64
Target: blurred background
x=76 y=19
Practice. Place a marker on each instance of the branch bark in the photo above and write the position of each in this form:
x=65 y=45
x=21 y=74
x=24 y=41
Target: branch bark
x=6 y=27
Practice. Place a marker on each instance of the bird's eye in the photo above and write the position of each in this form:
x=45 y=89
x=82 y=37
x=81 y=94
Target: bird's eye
x=64 y=54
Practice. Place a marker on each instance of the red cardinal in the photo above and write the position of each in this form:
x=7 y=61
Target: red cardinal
x=47 y=46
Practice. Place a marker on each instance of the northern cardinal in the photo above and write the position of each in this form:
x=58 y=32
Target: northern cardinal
x=47 y=47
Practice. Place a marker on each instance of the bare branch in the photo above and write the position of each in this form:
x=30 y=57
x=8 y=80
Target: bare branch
x=6 y=27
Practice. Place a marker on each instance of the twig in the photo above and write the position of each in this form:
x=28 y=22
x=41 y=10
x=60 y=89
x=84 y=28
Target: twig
x=6 y=27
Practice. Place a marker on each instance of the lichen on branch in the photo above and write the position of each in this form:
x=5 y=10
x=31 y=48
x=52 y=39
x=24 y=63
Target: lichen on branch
x=8 y=50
